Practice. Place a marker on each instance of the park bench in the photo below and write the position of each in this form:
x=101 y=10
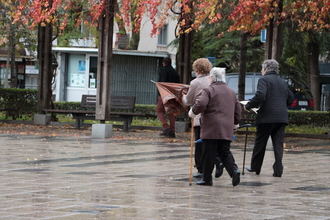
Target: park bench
x=122 y=109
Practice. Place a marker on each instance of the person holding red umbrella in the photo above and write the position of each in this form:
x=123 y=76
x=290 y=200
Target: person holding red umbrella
x=166 y=74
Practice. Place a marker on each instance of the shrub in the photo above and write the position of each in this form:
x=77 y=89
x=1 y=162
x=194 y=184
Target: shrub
x=147 y=109
x=16 y=102
x=314 y=118
x=67 y=105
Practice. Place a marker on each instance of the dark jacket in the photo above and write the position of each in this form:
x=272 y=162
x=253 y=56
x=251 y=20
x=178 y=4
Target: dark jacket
x=168 y=74
x=220 y=111
x=272 y=97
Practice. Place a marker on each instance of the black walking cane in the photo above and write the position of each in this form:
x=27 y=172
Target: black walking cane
x=246 y=136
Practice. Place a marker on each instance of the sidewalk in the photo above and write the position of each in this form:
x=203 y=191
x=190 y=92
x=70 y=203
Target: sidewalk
x=61 y=173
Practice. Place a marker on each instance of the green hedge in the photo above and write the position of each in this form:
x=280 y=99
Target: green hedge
x=16 y=102
x=314 y=118
x=147 y=109
x=67 y=105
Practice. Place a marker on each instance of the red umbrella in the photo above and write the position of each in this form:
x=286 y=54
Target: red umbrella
x=171 y=95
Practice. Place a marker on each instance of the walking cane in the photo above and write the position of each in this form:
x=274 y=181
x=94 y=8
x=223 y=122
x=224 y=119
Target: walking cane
x=191 y=151
x=246 y=135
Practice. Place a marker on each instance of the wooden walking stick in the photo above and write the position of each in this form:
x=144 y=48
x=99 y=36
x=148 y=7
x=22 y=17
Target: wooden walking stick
x=192 y=141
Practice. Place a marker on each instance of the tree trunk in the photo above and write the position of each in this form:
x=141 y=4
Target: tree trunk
x=135 y=37
x=7 y=72
x=45 y=66
x=9 y=61
x=184 y=57
x=134 y=41
x=269 y=40
x=313 y=66
x=104 y=63
x=12 y=52
x=242 y=67
x=277 y=45
x=187 y=58
x=119 y=20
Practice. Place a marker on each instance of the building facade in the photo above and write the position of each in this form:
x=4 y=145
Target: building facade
x=132 y=72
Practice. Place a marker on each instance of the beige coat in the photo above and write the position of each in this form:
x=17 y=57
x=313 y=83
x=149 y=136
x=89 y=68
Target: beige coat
x=220 y=111
x=196 y=86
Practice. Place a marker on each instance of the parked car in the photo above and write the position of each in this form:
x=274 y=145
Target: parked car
x=302 y=101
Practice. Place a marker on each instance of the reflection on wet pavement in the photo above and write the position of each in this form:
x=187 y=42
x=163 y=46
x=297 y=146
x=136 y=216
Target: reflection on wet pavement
x=82 y=178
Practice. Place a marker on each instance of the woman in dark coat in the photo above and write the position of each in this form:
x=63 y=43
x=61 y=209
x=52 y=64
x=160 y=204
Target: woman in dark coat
x=220 y=112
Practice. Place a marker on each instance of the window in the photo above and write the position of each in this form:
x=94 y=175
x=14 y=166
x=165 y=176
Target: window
x=92 y=72
x=232 y=83
x=249 y=85
x=2 y=74
x=251 y=82
x=162 y=37
x=76 y=71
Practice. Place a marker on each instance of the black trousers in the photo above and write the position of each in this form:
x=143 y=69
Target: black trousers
x=214 y=147
x=200 y=152
x=276 y=132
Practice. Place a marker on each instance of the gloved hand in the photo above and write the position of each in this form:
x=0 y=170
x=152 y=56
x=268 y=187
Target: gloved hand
x=236 y=127
x=191 y=113
x=245 y=109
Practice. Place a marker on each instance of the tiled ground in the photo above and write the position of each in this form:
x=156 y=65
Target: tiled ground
x=82 y=178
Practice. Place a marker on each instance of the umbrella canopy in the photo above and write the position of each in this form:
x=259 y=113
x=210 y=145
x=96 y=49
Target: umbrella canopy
x=171 y=95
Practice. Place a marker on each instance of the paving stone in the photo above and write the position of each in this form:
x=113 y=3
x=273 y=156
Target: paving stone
x=82 y=178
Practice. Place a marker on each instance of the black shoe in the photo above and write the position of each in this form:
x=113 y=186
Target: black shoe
x=204 y=183
x=198 y=175
x=236 y=178
x=165 y=132
x=218 y=170
x=277 y=175
x=252 y=170
x=170 y=134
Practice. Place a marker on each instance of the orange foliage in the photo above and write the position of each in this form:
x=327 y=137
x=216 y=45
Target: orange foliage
x=245 y=15
x=254 y=15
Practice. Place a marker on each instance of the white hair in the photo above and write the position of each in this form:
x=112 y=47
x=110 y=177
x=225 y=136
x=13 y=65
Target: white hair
x=218 y=74
x=270 y=66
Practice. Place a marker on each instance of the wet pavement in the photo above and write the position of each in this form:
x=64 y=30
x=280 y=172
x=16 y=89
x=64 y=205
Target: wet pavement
x=145 y=177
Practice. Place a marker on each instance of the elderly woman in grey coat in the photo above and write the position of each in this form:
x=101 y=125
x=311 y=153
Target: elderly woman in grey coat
x=220 y=112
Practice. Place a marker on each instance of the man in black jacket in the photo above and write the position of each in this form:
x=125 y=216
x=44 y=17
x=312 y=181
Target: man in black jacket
x=272 y=97
x=166 y=74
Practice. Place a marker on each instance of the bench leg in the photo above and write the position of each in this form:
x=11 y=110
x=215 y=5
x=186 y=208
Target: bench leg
x=126 y=125
x=78 y=123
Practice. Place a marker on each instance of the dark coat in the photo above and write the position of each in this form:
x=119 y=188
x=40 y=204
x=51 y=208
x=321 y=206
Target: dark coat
x=220 y=111
x=168 y=74
x=272 y=97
